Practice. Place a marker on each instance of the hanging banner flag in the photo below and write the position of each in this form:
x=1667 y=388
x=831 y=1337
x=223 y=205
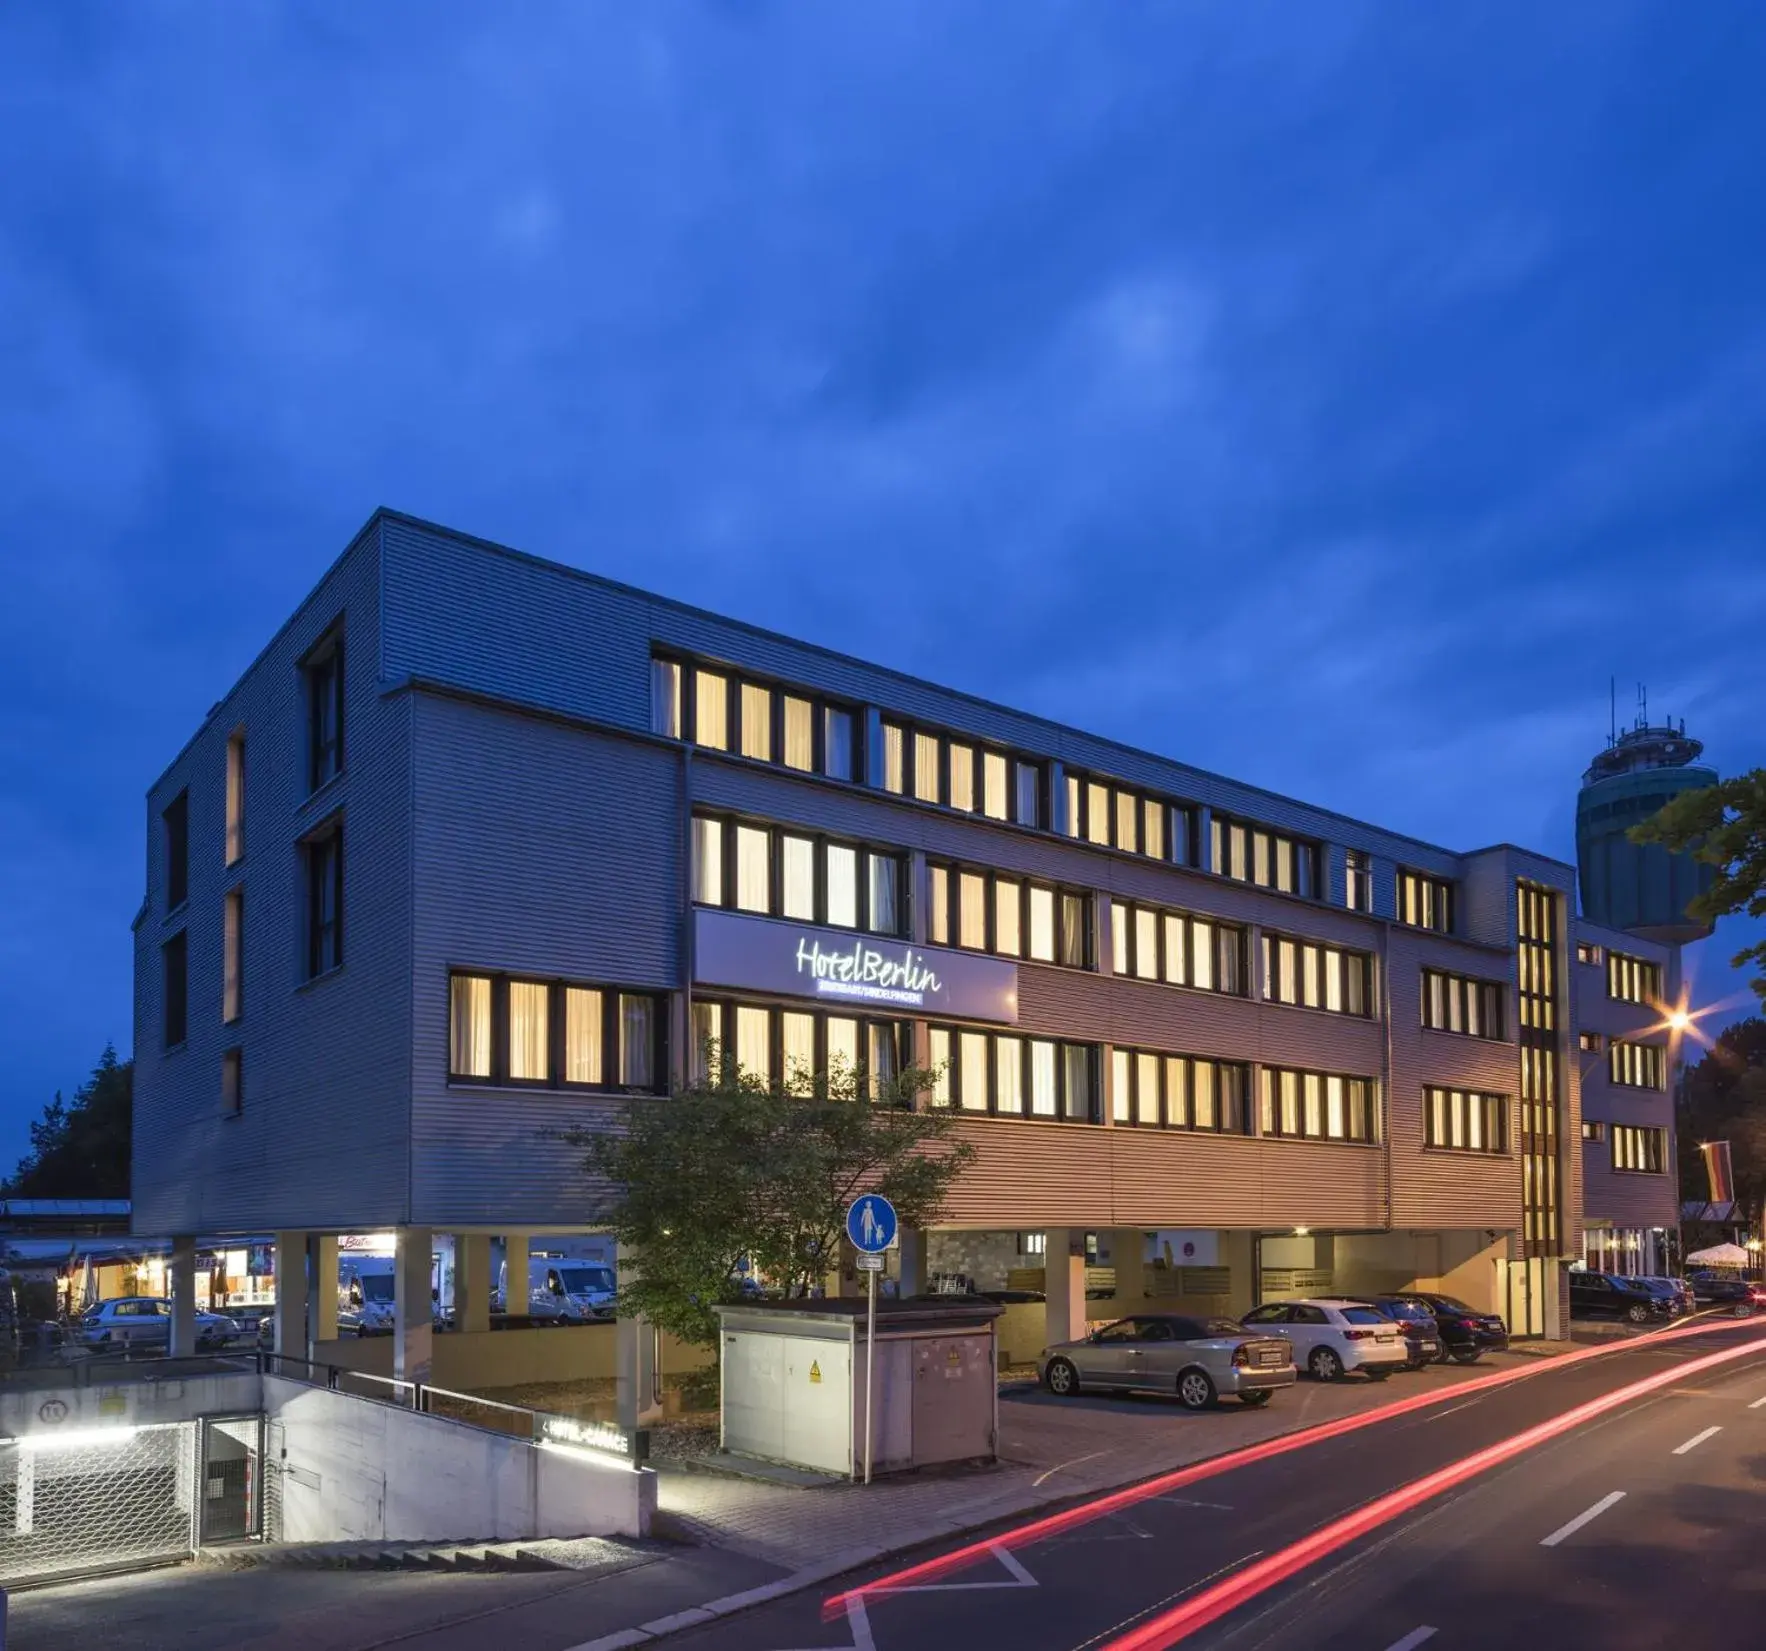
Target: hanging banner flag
x=1719 y=1172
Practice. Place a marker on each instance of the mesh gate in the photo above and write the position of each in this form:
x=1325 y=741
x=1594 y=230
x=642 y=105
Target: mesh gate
x=95 y=1499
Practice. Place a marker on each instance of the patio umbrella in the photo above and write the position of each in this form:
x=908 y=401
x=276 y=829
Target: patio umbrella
x=1722 y=1255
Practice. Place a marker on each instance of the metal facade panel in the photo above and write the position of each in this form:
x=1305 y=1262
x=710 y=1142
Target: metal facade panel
x=1623 y=1199
x=322 y=1137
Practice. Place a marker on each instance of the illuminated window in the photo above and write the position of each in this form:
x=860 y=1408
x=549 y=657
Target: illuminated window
x=1464 y=1120
x=1313 y=976
x=711 y=710
x=1161 y=1091
x=757 y=722
x=1253 y=854
x=1425 y=902
x=1321 y=1105
x=1459 y=1003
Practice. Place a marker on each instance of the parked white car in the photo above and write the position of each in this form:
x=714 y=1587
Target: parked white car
x=1331 y=1336
x=146 y=1321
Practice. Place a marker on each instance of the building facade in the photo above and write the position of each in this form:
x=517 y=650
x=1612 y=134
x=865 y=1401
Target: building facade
x=480 y=846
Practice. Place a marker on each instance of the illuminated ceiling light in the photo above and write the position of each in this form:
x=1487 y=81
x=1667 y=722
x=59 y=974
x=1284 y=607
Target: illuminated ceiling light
x=1301 y=1232
x=78 y=1438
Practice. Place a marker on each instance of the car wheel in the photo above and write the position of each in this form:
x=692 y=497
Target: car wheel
x=1470 y=1357
x=1324 y=1365
x=1194 y=1390
x=1741 y=1310
x=1637 y=1313
x=1256 y=1401
x=1061 y=1379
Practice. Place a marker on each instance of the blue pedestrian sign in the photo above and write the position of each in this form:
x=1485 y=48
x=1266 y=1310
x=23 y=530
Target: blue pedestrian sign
x=870 y=1224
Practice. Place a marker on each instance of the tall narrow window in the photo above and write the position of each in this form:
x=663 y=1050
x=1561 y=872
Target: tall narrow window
x=233 y=1082
x=469 y=1026
x=962 y=777
x=1028 y=811
x=842 y=1046
x=993 y=785
x=711 y=710
x=1119 y=937
x=708 y=861
x=882 y=1059
x=637 y=1041
x=236 y=797
x=926 y=767
x=323 y=672
x=757 y=722
x=797 y=878
x=972 y=1071
x=1358 y=881
x=584 y=1030
x=1042 y=924
x=324 y=900
x=233 y=955
x=894 y=759
x=1008 y=1061
x=1075 y=931
x=665 y=698
x=837 y=745
x=1008 y=899
x=938 y=1053
x=972 y=910
x=753 y=870
x=176 y=824
x=1044 y=1080
x=1097 y=813
x=708 y=1042
x=529 y=1034
x=1075 y=808
x=938 y=898
x=175 y=988
x=1146 y=943
x=842 y=886
x=1127 y=821
x=800 y=738
x=1077 y=1063
x=885 y=913
x=1153 y=829
x=797 y=1050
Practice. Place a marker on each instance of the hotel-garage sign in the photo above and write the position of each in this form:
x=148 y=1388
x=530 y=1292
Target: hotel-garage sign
x=839 y=966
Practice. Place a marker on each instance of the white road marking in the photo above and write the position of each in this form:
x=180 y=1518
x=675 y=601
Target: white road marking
x=1412 y=1640
x=1061 y=1466
x=1463 y=1405
x=1021 y=1579
x=1696 y=1440
x=859 y=1623
x=1757 y=1404
x=1582 y=1519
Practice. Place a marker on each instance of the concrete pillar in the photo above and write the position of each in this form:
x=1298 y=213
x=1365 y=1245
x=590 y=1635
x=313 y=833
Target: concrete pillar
x=322 y=1285
x=181 y=1283
x=291 y=1294
x=1128 y=1256
x=1064 y=1285
x=413 y=1325
x=912 y=1262
x=472 y=1282
x=635 y=1378
x=517 y=1247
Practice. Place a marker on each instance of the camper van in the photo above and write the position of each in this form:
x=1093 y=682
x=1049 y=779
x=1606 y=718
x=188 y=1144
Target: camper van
x=565 y=1290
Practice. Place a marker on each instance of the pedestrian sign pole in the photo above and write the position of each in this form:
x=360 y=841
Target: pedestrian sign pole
x=871 y=1226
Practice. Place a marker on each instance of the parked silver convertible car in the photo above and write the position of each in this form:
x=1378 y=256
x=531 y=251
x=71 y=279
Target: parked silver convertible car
x=1197 y=1359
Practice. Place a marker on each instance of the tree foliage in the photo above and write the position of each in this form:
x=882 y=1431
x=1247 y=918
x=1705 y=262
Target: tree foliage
x=736 y=1170
x=1723 y=825
x=1724 y=1099
x=82 y=1150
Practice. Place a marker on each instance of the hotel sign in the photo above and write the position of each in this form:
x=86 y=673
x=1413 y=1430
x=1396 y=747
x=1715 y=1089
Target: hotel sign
x=838 y=966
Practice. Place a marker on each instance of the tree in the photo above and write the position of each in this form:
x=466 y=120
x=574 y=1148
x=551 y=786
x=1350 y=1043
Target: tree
x=1723 y=1098
x=82 y=1151
x=1723 y=825
x=735 y=1170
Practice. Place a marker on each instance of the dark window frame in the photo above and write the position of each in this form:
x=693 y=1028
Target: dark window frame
x=1632 y=1065
x=777 y=832
x=1433 y=897
x=1633 y=979
x=174 y=979
x=322 y=869
x=1126 y=1111
x=956 y=1030
x=735 y=677
x=901 y=1030
x=954 y=870
x=1273 y=939
x=1494 y=1110
x=323 y=683
x=232 y=1082
x=1458 y=993
x=1645 y=1142
x=1180 y=818
x=1305 y=855
x=557 y=986
x=175 y=831
x=1269 y=1103
x=1229 y=937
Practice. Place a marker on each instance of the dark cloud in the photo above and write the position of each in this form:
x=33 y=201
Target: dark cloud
x=1335 y=397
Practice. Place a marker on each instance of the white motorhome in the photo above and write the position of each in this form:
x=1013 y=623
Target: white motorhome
x=564 y=1289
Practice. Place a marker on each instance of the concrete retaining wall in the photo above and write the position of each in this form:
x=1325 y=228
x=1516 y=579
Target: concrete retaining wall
x=484 y=1361
x=354 y=1470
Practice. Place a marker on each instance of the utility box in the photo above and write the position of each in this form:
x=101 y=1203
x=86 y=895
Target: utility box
x=792 y=1383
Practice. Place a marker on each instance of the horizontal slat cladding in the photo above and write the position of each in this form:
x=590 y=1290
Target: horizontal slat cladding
x=1617 y=940
x=506 y=1158
x=1625 y=1200
x=1623 y=1104
x=1029 y=1175
x=322 y=1138
x=1614 y=1017
x=501 y=622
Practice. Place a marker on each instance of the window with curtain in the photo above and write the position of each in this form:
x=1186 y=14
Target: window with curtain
x=843 y=1045
x=797 y=1047
x=1153 y=829
x=1319 y=1105
x=972 y=910
x=711 y=710
x=993 y=785
x=800 y=734
x=797 y=877
x=837 y=745
x=1045 y=1099
x=1097 y=813
x=972 y=1055
x=529 y=1051
x=1146 y=943
x=753 y=869
x=1008 y=1062
x=708 y=1040
x=1042 y=924
x=885 y=905
x=1078 y=1062
x=883 y=1057
x=1008 y=899
x=754 y=1043
x=894 y=759
x=637 y=1041
x=1313 y=976
x=1075 y=821
x=584 y=1034
x=235 y=797
x=708 y=861
x=926 y=767
x=1075 y=937
x=665 y=698
x=1028 y=785
x=469 y=1026
x=757 y=722
x=232 y=955
x=1127 y=820
x=962 y=777
x=938 y=896
x=938 y=1055
x=842 y=886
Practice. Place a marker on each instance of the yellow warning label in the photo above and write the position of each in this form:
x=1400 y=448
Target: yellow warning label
x=815 y=1372
x=953 y=1357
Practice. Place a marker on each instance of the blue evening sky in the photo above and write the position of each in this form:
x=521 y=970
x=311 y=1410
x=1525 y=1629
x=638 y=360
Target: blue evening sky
x=1333 y=395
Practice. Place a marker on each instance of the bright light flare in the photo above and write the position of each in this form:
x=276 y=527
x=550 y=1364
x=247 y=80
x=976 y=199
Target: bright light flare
x=79 y=1438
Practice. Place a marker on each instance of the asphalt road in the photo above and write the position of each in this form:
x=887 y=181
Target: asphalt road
x=1670 y=1560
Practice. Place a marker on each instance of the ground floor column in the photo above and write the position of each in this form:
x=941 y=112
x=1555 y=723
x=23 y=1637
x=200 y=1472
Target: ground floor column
x=517 y=1246
x=472 y=1282
x=635 y=1383
x=1064 y=1284
x=413 y=1322
x=1128 y=1255
x=291 y=1294
x=322 y=1285
x=912 y=1262
x=181 y=1282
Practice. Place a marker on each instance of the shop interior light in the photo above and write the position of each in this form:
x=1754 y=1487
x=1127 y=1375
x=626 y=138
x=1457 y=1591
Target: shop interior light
x=77 y=1438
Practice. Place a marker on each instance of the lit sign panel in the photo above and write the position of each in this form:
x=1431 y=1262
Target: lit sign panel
x=865 y=971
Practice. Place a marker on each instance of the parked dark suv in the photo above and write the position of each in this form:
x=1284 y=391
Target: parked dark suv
x=1607 y=1296
x=1729 y=1295
x=1466 y=1333
x=1422 y=1336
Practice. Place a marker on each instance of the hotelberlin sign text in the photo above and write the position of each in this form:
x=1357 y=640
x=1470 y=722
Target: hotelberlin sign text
x=762 y=954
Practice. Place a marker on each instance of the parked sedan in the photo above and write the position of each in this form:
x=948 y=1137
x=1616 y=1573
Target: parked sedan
x=146 y=1321
x=1608 y=1296
x=1331 y=1336
x=1466 y=1333
x=1197 y=1359
x=1422 y=1338
x=1675 y=1291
